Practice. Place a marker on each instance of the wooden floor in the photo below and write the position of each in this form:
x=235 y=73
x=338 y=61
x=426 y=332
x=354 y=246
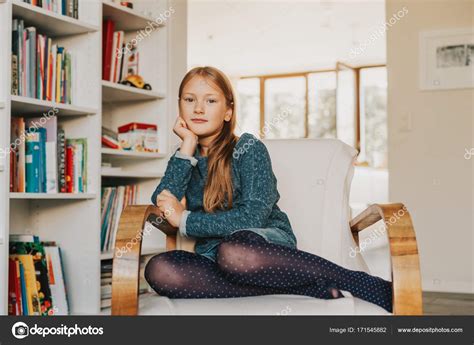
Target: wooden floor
x=446 y=303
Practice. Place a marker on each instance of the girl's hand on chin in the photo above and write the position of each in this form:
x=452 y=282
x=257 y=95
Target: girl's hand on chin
x=170 y=207
x=181 y=130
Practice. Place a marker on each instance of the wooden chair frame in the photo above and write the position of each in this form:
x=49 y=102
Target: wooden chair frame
x=406 y=278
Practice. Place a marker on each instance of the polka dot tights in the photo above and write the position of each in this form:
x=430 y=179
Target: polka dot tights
x=248 y=265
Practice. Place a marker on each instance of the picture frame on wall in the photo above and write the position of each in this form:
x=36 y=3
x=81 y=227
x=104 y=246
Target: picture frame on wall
x=446 y=59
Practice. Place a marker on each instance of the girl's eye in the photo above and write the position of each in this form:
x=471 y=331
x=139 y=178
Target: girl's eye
x=212 y=100
x=187 y=99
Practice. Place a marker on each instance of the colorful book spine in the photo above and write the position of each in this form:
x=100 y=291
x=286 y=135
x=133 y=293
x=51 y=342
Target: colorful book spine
x=32 y=162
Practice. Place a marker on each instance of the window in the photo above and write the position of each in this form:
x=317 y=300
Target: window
x=322 y=105
x=373 y=115
x=284 y=107
x=248 y=106
x=348 y=103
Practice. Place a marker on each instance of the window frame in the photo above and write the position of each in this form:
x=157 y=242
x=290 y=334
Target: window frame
x=356 y=69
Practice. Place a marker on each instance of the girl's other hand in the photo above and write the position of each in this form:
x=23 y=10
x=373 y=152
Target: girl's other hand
x=170 y=206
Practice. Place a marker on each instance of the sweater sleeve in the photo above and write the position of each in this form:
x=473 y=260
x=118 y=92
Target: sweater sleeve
x=259 y=194
x=177 y=176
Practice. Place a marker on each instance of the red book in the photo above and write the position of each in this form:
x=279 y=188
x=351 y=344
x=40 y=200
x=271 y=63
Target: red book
x=14 y=297
x=69 y=169
x=135 y=125
x=12 y=170
x=107 y=142
x=107 y=38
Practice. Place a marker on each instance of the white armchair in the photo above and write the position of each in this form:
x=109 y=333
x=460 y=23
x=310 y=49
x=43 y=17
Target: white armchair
x=314 y=178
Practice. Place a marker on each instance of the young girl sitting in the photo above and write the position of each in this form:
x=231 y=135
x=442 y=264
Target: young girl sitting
x=245 y=245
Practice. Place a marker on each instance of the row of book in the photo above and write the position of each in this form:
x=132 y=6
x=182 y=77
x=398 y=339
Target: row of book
x=36 y=279
x=119 y=58
x=113 y=201
x=106 y=281
x=40 y=69
x=43 y=160
x=68 y=8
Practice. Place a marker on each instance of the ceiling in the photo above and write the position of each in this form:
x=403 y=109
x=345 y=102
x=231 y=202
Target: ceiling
x=261 y=37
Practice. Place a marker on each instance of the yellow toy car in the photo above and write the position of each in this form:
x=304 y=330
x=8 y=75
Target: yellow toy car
x=136 y=81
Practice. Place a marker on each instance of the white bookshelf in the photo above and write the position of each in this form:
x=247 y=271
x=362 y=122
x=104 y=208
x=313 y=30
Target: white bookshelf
x=62 y=196
x=26 y=105
x=126 y=19
x=130 y=174
x=114 y=92
x=131 y=154
x=51 y=24
x=73 y=220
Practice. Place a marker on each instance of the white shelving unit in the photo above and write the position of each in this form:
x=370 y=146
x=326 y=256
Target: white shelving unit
x=74 y=220
x=62 y=196
x=131 y=154
x=113 y=92
x=51 y=24
x=26 y=105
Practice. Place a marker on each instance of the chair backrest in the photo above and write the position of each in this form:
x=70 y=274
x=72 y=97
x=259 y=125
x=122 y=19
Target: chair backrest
x=313 y=179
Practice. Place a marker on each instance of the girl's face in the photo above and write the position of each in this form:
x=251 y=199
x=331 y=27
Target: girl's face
x=203 y=100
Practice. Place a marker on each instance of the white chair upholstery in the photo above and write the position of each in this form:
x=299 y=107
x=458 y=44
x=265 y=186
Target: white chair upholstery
x=314 y=178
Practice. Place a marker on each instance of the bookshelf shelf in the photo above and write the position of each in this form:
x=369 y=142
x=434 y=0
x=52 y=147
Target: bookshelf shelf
x=131 y=154
x=50 y=23
x=76 y=224
x=61 y=196
x=145 y=251
x=27 y=105
x=126 y=19
x=130 y=174
x=114 y=92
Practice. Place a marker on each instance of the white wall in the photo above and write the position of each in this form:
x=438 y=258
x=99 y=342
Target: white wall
x=427 y=170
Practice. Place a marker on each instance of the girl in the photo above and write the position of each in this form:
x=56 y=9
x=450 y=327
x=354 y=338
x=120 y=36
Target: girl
x=245 y=245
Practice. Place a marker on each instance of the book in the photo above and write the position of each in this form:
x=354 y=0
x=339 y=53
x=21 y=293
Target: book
x=56 y=279
x=32 y=158
x=14 y=294
x=68 y=8
x=113 y=201
x=31 y=291
x=77 y=164
x=61 y=160
x=107 y=44
x=37 y=253
x=40 y=69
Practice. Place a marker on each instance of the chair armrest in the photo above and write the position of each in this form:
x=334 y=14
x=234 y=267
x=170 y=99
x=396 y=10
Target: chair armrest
x=126 y=259
x=406 y=277
x=127 y=251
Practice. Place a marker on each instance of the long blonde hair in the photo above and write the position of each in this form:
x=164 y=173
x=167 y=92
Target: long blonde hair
x=219 y=185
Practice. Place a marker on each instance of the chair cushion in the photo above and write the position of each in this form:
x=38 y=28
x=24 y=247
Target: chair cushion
x=278 y=304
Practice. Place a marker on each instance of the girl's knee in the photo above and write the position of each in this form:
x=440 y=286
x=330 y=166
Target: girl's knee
x=161 y=270
x=233 y=257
